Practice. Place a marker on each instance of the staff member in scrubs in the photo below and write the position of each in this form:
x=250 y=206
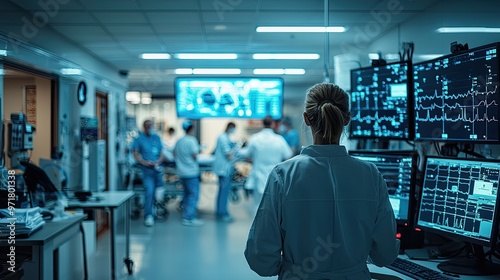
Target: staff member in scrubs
x=147 y=150
x=323 y=213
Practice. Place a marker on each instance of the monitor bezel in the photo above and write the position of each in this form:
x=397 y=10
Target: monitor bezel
x=409 y=102
x=456 y=236
x=176 y=95
x=413 y=203
x=479 y=141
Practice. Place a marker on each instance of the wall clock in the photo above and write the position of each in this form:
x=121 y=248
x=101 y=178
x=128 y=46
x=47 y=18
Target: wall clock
x=81 y=93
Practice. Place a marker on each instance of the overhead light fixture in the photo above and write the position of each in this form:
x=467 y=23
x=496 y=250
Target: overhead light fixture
x=71 y=71
x=307 y=29
x=3 y=52
x=468 y=30
x=285 y=56
x=146 y=98
x=183 y=71
x=206 y=56
x=207 y=71
x=155 y=56
x=429 y=56
x=294 y=71
x=212 y=71
x=374 y=56
x=220 y=27
x=279 y=71
x=133 y=97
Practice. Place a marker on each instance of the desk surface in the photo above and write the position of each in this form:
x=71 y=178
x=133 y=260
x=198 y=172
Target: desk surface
x=47 y=233
x=429 y=264
x=111 y=199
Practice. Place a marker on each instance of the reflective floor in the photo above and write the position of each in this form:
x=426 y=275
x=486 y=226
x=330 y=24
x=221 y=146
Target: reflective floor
x=170 y=250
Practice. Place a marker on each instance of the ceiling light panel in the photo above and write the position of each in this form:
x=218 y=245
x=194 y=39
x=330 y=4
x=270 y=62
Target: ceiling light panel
x=155 y=56
x=286 y=56
x=299 y=29
x=206 y=56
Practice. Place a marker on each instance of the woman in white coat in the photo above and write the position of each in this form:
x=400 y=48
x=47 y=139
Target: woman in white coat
x=323 y=213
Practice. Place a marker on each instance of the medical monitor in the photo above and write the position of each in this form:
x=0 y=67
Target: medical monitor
x=399 y=170
x=459 y=199
x=381 y=102
x=457 y=97
x=44 y=193
x=249 y=98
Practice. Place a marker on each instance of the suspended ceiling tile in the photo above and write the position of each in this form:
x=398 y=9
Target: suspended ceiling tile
x=120 y=18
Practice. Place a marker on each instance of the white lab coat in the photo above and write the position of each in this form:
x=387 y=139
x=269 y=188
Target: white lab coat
x=266 y=149
x=322 y=215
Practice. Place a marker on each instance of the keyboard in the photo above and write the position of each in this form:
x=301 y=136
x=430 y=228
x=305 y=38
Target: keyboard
x=417 y=271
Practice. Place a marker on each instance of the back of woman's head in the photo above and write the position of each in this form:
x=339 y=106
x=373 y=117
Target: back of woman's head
x=327 y=110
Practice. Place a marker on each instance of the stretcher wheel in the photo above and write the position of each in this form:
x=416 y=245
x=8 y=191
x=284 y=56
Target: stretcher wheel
x=129 y=264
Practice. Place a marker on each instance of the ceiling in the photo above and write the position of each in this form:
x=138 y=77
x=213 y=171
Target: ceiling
x=118 y=31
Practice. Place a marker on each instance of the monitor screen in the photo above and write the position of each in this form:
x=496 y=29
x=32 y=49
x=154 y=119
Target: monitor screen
x=457 y=97
x=250 y=98
x=379 y=102
x=89 y=128
x=399 y=170
x=460 y=198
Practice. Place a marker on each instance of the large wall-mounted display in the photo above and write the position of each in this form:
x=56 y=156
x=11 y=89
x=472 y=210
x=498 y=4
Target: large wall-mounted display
x=250 y=98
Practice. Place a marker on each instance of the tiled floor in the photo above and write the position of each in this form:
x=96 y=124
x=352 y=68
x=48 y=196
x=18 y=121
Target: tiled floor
x=170 y=250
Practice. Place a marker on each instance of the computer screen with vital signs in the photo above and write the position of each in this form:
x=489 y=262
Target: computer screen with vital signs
x=457 y=97
x=379 y=102
x=398 y=169
x=459 y=199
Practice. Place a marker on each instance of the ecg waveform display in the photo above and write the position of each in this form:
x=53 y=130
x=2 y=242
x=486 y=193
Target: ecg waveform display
x=457 y=97
x=397 y=171
x=379 y=98
x=459 y=197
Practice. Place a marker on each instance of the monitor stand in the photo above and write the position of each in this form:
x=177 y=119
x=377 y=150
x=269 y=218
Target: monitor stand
x=476 y=264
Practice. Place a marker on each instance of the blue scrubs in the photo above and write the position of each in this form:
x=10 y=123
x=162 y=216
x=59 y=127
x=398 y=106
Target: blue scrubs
x=149 y=147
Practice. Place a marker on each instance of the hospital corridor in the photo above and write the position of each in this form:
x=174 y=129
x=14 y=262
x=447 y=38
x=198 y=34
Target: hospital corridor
x=169 y=250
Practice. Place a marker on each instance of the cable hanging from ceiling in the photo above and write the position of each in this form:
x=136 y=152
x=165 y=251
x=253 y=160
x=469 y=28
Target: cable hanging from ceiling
x=326 y=56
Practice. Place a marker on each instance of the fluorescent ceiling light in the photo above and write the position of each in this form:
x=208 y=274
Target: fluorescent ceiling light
x=468 y=30
x=133 y=96
x=279 y=71
x=429 y=56
x=210 y=71
x=206 y=56
x=146 y=98
x=294 y=71
x=321 y=29
x=71 y=71
x=373 y=56
x=155 y=56
x=285 y=56
x=3 y=52
x=269 y=71
x=183 y=71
